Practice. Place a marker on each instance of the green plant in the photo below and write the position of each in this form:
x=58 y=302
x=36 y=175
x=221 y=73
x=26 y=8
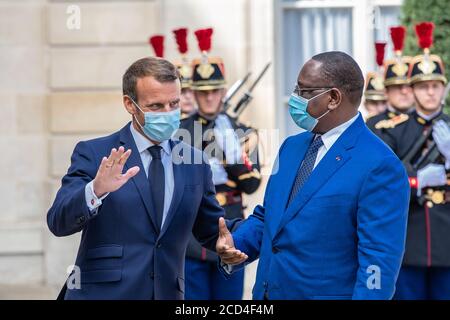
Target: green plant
x=437 y=11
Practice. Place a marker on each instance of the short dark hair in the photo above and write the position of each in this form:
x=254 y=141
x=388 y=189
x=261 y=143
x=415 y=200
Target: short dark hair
x=341 y=71
x=158 y=68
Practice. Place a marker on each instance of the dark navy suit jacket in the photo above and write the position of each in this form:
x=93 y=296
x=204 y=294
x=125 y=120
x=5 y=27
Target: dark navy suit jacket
x=122 y=254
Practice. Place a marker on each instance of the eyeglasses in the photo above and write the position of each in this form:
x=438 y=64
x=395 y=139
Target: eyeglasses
x=308 y=91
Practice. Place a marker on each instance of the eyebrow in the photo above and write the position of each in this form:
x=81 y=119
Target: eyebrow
x=161 y=105
x=303 y=85
x=156 y=104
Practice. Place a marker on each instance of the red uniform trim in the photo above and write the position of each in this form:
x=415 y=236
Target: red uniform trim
x=413 y=182
x=203 y=257
x=428 y=227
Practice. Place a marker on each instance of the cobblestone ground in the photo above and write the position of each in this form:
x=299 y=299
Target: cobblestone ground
x=24 y=292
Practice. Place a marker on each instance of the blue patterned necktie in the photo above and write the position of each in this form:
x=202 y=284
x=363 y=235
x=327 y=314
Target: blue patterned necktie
x=306 y=167
x=157 y=182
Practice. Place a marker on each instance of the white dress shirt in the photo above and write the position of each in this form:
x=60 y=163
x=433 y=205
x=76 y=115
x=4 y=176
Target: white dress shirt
x=430 y=116
x=330 y=137
x=142 y=145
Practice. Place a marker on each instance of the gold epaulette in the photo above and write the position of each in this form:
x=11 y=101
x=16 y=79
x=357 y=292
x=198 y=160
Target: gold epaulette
x=231 y=184
x=392 y=123
x=252 y=174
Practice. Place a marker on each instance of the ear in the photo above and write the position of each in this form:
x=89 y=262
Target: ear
x=335 y=99
x=128 y=104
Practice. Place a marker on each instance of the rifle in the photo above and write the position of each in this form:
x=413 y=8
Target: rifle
x=431 y=155
x=235 y=111
x=415 y=150
x=414 y=153
x=233 y=90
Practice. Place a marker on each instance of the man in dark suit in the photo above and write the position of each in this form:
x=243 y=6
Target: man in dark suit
x=136 y=225
x=333 y=222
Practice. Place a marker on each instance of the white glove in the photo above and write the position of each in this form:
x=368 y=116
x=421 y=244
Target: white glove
x=431 y=175
x=441 y=135
x=219 y=175
x=227 y=139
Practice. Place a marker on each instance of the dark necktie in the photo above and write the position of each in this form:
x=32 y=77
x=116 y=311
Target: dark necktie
x=306 y=168
x=157 y=182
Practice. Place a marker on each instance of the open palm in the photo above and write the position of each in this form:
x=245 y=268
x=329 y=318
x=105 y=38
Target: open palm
x=109 y=176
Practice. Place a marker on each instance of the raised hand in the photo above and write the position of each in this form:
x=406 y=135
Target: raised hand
x=225 y=246
x=109 y=176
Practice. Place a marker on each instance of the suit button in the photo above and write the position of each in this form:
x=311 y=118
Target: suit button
x=265 y=285
x=158 y=245
x=81 y=219
x=275 y=250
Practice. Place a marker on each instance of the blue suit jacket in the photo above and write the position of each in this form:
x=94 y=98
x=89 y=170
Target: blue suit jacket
x=122 y=255
x=347 y=223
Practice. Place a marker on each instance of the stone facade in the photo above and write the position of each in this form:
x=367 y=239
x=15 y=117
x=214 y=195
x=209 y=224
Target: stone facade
x=59 y=86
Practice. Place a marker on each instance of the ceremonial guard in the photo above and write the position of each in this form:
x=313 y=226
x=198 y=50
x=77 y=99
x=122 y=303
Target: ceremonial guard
x=374 y=95
x=232 y=151
x=400 y=100
x=422 y=142
x=187 y=101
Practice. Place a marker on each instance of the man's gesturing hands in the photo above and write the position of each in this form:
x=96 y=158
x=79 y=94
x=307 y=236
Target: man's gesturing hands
x=225 y=246
x=109 y=176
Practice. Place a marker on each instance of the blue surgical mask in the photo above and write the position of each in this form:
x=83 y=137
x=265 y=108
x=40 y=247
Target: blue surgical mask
x=159 y=126
x=298 y=110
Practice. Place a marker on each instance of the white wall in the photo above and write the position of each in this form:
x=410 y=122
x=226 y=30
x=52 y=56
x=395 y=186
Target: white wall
x=59 y=86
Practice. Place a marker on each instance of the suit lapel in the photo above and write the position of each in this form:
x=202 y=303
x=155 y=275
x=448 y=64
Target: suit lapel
x=334 y=159
x=288 y=166
x=140 y=180
x=178 y=176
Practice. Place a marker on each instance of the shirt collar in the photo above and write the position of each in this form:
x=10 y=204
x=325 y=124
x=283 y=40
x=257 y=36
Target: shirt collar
x=430 y=116
x=142 y=143
x=396 y=111
x=330 y=137
x=391 y=108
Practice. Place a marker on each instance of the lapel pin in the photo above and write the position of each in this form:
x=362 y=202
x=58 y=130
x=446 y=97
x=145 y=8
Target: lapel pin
x=338 y=158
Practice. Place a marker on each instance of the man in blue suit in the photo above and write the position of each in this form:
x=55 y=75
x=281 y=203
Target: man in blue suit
x=334 y=217
x=136 y=225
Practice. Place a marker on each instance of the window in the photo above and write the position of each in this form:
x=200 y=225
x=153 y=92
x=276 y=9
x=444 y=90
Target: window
x=307 y=27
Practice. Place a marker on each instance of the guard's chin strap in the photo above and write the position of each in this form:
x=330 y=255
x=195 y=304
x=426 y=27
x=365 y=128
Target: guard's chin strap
x=207 y=117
